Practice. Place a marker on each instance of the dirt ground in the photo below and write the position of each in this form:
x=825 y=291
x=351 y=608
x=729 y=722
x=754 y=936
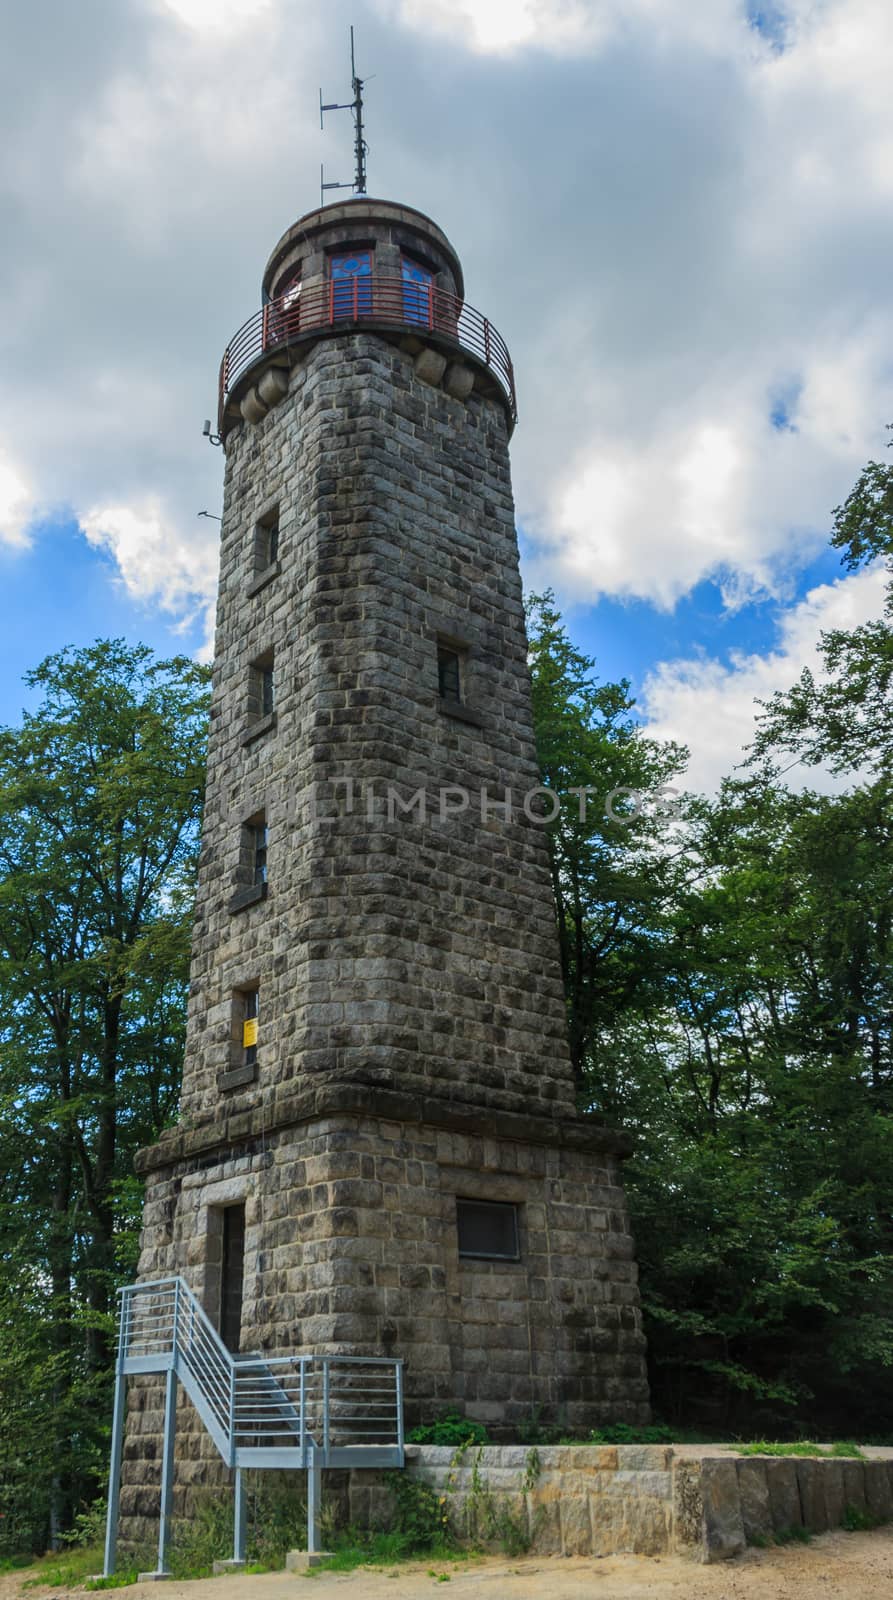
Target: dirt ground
x=852 y=1566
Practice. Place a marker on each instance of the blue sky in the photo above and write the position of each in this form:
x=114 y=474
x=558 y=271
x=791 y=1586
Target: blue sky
x=680 y=218
x=61 y=592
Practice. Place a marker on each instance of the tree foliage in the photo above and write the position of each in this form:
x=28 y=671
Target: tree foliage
x=843 y=719
x=730 y=988
x=100 y=796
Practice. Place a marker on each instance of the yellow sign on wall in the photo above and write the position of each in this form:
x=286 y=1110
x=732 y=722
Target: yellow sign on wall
x=249 y=1032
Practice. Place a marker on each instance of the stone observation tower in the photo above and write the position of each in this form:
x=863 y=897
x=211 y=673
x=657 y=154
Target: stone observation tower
x=378 y=1152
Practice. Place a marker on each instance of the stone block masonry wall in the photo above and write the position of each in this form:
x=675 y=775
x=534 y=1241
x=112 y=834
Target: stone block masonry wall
x=351 y=1247
x=386 y=951
x=639 y=1499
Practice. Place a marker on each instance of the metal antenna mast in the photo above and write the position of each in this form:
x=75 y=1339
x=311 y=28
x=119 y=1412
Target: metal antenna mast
x=360 y=147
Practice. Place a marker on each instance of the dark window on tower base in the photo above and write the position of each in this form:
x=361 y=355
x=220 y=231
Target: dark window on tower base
x=232 y=1276
x=488 y=1230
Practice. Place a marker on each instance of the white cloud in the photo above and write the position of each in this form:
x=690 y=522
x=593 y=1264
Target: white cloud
x=671 y=223
x=564 y=27
x=16 y=505
x=213 y=15
x=711 y=707
x=157 y=562
x=501 y=25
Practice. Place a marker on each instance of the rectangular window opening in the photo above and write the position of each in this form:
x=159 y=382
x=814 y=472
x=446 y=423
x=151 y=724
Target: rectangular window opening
x=232 y=1276
x=418 y=291
x=488 y=1230
x=250 y=1021
x=253 y=851
x=261 y=686
x=449 y=673
x=245 y=1024
x=259 y=851
x=351 y=284
x=266 y=541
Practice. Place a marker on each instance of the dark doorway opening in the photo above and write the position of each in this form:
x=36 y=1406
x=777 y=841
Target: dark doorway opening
x=232 y=1276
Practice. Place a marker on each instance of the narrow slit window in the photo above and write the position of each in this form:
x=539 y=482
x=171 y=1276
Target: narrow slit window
x=449 y=674
x=232 y=1276
x=488 y=1230
x=246 y=1021
x=250 y=1023
x=258 y=847
x=262 y=686
x=267 y=693
x=266 y=542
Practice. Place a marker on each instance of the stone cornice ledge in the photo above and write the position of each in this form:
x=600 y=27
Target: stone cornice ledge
x=291 y=1108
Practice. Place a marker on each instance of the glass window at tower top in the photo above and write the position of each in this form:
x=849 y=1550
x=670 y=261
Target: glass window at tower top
x=418 y=285
x=352 y=284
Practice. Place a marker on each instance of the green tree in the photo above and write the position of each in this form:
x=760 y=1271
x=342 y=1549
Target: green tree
x=610 y=874
x=100 y=797
x=762 y=1182
x=730 y=1003
x=844 y=719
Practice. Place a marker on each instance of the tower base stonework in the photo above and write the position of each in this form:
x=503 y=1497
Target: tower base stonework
x=350 y=1247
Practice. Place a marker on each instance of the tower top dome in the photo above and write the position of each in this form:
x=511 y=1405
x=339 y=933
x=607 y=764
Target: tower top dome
x=392 y=230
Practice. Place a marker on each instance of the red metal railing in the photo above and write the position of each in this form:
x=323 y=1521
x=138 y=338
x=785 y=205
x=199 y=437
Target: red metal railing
x=374 y=300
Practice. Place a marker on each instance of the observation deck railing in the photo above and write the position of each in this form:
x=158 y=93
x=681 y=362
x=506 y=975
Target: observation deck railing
x=375 y=300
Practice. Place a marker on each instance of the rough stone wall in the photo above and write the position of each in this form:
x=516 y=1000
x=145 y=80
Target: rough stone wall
x=351 y=1248
x=602 y=1500
x=386 y=951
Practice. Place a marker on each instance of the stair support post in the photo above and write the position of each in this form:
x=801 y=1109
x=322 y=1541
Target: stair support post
x=167 y=1469
x=240 y=1520
x=314 y=1501
x=111 y=1525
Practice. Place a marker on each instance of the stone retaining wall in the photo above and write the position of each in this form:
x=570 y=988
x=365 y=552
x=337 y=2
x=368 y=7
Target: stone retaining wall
x=604 y=1500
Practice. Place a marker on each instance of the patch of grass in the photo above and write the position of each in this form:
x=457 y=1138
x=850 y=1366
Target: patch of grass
x=622 y=1433
x=355 y=1549
x=277 y=1523
x=120 y=1580
x=799 y=1447
x=450 y=1428
x=855 y=1520
x=66 y=1569
x=792 y=1536
x=15 y=1563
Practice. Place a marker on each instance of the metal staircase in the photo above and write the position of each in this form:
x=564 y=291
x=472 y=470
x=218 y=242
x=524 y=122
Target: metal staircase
x=299 y=1413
